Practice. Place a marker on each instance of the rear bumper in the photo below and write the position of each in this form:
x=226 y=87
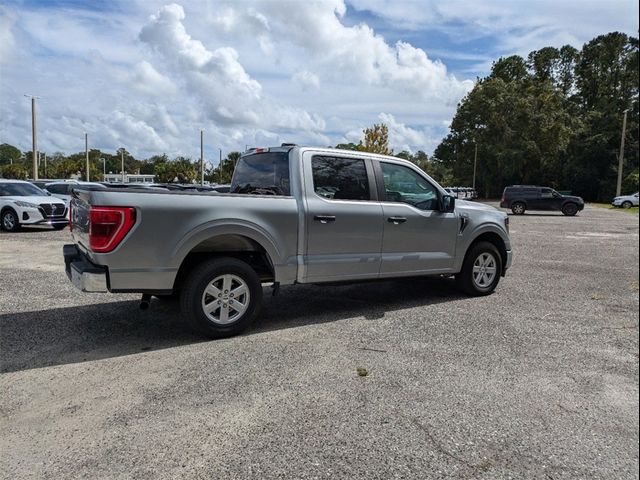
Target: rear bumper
x=83 y=274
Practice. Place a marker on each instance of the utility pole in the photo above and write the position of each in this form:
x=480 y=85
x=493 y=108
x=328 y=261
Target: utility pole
x=475 y=164
x=202 y=157
x=86 y=153
x=122 y=163
x=45 y=165
x=621 y=158
x=34 y=148
x=104 y=167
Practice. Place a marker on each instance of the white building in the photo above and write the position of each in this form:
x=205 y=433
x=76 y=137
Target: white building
x=129 y=178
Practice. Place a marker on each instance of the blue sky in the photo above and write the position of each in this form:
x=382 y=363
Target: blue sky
x=149 y=74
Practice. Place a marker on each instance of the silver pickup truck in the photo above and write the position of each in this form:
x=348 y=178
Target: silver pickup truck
x=293 y=215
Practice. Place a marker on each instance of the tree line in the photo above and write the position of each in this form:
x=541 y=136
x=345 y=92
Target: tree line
x=19 y=165
x=554 y=119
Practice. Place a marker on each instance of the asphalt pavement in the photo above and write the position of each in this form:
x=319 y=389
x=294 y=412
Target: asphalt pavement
x=538 y=380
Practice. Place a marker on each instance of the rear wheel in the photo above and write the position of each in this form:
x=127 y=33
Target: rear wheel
x=221 y=297
x=570 y=209
x=10 y=221
x=626 y=204
x=518 y=208
x=481 y=270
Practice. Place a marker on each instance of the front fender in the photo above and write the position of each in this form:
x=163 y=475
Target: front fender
x=472 y=234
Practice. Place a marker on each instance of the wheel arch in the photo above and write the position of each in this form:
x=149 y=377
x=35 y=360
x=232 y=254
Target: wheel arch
x=244 y=244
x=9 y=208
x=493 y=238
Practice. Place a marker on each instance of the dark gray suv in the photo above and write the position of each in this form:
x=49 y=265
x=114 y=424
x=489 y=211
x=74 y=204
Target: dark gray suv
x=520 y=198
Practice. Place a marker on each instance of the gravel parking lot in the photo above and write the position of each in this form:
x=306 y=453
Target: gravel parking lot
x=539 y=380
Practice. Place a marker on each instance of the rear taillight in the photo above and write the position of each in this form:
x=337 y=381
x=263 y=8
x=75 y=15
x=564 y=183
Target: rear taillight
x=108 y=226
x=503 y=199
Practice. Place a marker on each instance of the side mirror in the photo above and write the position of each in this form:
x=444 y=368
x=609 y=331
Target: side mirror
x=448 y=203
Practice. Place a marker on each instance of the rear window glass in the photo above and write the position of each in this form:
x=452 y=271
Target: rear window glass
x=262 y=173
x=59 y=188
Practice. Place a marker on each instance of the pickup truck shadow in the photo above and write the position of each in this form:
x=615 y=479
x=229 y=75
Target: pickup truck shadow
x=92 y=332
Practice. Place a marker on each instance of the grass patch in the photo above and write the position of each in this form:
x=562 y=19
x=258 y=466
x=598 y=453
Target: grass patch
x=632 y=210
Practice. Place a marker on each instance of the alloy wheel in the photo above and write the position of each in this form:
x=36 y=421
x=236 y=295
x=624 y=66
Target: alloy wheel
x=484 y=270
x=225 y=299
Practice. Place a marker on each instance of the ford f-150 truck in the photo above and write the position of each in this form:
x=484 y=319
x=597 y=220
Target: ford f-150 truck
x=293 y=215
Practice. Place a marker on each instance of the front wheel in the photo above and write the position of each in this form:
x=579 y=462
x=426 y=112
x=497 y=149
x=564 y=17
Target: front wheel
x=59 y=227
x=221 y=297
x=626 y=204
x=10 y=221
x=481 y=270
x=570 y=209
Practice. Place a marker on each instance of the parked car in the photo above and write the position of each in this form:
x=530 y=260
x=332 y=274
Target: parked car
x=294 y=215
x=62 y=189
x=520 y=198
x=22 y=203
x=626 y=201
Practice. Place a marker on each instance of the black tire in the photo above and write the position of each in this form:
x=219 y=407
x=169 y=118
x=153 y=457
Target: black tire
x=465 y=279
x=569 y=209
x=626 y=204
x=202 y=277
x=59 y=227
x=9 y=221
x=518 y=208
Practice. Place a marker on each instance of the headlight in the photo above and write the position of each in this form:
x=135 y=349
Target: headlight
x=22 y=204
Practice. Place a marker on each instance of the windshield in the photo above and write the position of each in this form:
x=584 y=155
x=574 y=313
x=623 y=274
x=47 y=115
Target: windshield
x=263 y=174
x=20 y=190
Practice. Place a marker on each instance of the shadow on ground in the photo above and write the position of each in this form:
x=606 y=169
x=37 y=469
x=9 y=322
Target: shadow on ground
x=92 y=332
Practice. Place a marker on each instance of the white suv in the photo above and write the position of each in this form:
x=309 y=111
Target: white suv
x=626 y=201
x=22 y=203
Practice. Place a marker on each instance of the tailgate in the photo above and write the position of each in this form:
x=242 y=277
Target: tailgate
x=80 y=218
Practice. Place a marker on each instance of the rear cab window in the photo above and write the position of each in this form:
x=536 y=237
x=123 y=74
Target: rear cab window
x=263 y=174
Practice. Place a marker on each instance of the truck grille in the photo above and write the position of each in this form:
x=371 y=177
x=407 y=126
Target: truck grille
x=52 y=210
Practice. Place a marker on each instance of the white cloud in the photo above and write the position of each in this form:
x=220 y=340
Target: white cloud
x=401 y=136
x=7 y=40
x=307 y=80
x=148 y=76
x=217 y=78
x=517 y=26
x=355 y=52
x=147 y=79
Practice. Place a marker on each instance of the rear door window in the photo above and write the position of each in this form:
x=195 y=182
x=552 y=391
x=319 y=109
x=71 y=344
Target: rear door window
x=546 y=193
x=337 y=178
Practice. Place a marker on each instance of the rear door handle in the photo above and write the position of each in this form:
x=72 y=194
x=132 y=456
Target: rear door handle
x=325 y=218
x=396 y=220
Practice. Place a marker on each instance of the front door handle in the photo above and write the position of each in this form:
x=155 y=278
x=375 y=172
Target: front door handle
x=325 y=218
x=396 y=220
